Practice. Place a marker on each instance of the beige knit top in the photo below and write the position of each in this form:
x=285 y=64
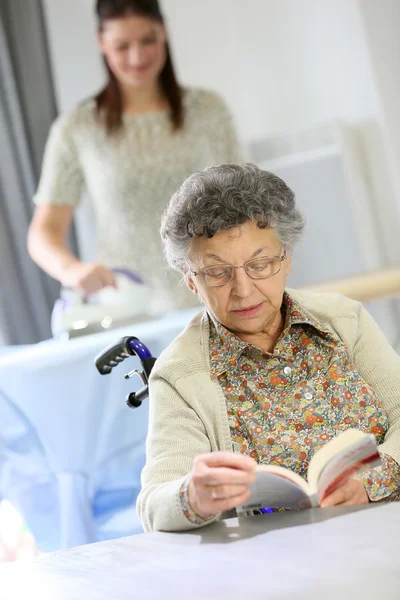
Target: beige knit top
x=188 y=412
x=131 y=176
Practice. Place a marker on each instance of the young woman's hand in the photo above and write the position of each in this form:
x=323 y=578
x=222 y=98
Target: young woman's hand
x=88 y=278
x=351 y=492
x=220 y=481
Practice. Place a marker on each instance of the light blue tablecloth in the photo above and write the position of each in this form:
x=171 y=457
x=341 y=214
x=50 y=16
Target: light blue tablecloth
x=71 y=451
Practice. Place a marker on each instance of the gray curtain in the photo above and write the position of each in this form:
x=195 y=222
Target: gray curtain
x=27 y=109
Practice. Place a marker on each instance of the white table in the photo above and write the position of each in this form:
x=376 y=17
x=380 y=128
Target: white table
x=321 y=554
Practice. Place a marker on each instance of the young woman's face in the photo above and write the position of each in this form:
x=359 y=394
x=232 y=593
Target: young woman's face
x=134 y=48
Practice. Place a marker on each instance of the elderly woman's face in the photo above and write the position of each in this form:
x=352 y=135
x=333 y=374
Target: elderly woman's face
x=244 y=305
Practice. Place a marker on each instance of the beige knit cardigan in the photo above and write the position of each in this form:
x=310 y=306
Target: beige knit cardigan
x=188 y=413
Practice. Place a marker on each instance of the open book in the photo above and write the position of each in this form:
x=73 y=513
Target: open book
x=342 y=457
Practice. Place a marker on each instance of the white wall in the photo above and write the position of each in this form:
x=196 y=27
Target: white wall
x=381 y=22
x=76 y=62
x=281 y=65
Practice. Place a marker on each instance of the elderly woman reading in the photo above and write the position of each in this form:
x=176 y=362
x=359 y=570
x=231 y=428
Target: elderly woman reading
x=265 y=374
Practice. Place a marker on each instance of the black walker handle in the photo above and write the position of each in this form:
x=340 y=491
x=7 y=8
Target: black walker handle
x=116 y=353
x=112 y=355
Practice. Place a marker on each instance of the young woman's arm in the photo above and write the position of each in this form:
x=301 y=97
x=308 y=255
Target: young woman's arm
x=60 y=189
x=47 y=245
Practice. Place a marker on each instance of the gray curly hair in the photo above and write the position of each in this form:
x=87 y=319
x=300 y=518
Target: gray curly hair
x=224 y=197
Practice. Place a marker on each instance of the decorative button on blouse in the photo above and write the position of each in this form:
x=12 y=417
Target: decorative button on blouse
x=283 y=421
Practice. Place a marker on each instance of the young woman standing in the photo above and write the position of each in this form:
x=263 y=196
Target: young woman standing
x=129 y=148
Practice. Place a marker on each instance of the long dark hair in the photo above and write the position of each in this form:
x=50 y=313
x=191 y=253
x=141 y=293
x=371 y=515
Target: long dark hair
x=109 y=100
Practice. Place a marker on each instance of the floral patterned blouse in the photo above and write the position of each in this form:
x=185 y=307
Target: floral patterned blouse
x=283 y=406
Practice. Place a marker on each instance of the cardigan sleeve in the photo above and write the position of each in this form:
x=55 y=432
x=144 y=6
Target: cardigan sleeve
x=176 y=436
x=379 y=365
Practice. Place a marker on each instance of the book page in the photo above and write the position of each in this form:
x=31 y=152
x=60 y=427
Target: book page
x=277 y=487
x=348 y=460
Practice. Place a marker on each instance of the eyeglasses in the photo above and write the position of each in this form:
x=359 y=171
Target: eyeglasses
x=257 y=268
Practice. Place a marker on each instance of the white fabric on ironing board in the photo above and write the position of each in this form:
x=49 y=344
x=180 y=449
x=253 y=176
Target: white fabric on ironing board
x=71 y=452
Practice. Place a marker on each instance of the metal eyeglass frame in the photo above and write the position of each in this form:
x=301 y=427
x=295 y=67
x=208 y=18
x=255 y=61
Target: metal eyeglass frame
x=280 y=258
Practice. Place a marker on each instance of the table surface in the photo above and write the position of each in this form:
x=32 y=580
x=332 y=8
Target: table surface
x=343 y=552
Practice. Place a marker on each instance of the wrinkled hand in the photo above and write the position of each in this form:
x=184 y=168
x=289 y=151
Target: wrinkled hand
x=351 y=492
x=220 y=481
x=88 y=278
